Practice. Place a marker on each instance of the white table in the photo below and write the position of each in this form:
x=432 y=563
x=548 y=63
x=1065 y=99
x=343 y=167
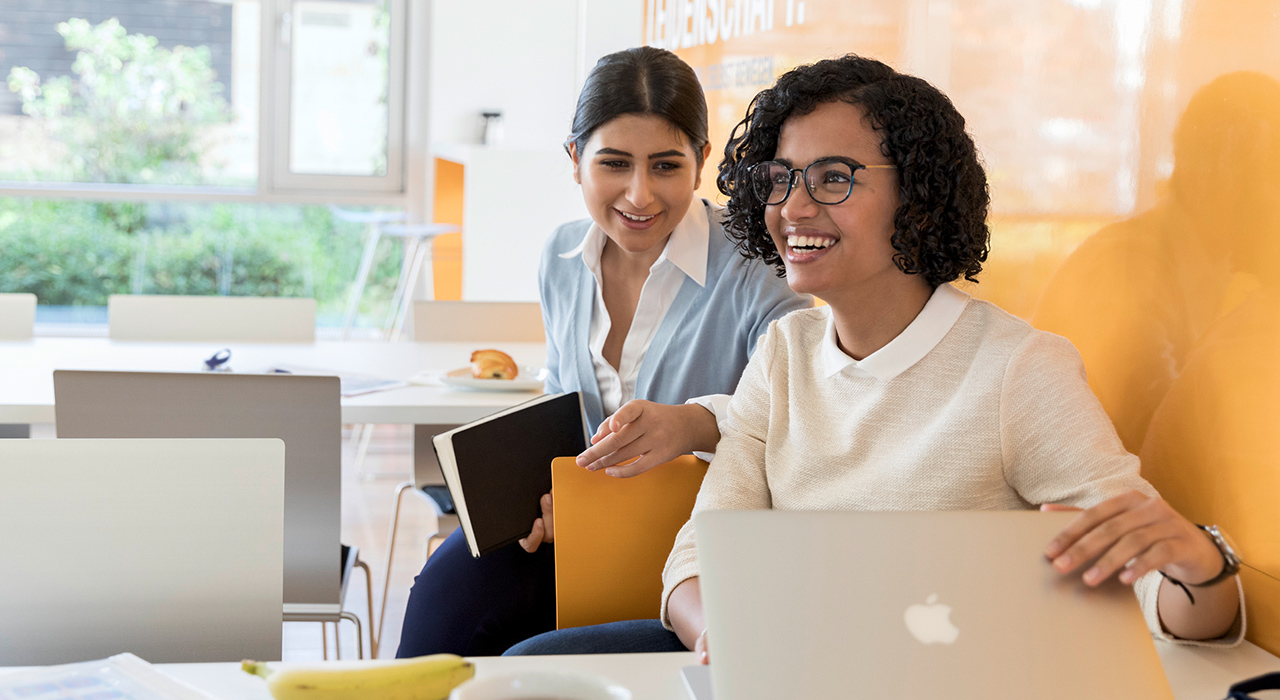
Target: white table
x=26 y=373
x=1195 y=673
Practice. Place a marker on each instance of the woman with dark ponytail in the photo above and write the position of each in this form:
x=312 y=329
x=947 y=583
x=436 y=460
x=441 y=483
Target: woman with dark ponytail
x=650 y=312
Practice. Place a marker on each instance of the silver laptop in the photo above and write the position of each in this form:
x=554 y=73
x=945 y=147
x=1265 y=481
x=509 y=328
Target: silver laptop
x=303 y=411
x=912 y=605
x=148 y=546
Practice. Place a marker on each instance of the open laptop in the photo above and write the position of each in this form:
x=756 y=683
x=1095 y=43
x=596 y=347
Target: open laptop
x=912 y=605
x=303 y=411
x=154 y=547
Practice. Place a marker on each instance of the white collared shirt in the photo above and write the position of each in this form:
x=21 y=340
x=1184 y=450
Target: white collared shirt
x=910 y=346
x=684 y=255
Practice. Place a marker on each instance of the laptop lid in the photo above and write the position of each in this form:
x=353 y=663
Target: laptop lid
x=912 y=605
x=154 y=547
x=303 y=411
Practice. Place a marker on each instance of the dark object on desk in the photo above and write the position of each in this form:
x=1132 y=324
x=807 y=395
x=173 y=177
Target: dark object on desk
x=217 y=362
x=497 y=468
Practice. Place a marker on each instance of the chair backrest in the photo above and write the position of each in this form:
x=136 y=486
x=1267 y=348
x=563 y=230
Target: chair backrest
x=17 y=316
x=154 y=547
x=613 y=537
x=304 y=411
x=480 y=321
x=215 y=319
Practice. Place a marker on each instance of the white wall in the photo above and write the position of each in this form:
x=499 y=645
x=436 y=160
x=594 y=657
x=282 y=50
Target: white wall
x=527 y=59
x=515 y=56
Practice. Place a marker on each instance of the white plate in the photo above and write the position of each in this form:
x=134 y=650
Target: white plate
x=529 y=379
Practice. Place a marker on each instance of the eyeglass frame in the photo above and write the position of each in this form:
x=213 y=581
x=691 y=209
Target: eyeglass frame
x=854 y=167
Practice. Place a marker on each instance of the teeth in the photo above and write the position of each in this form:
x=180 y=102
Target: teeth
x=809 y=242
x=633 y=217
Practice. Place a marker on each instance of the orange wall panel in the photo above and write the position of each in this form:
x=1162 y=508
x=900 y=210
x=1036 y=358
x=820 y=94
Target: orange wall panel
x=446 y=250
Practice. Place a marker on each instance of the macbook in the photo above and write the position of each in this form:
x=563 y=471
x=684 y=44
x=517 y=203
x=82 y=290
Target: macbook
x=912 y=605
x=304 y=412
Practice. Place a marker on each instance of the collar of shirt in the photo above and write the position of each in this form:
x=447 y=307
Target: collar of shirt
x=686 y=248
x=934 y=321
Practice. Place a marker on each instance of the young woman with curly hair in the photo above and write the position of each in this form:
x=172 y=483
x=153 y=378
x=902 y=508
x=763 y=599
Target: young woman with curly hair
x=861 y=186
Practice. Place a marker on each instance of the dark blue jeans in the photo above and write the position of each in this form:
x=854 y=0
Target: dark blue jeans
x=629 y=637
x=479 y=607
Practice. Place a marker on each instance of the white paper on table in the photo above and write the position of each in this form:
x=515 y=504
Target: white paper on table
x=351 y=383
x=120 y=677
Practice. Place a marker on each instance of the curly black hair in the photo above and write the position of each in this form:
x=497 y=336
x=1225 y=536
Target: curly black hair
x=940 y=229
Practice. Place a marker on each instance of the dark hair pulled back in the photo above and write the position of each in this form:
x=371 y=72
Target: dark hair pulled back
x=940 y=227
x=644 y=80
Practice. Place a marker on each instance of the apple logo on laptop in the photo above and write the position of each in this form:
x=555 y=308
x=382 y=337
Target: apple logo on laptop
x=931 y=622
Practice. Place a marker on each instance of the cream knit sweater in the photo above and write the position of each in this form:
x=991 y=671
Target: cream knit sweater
x=997 y=416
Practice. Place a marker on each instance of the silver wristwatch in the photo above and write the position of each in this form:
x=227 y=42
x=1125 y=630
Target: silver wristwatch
x=1230 y=561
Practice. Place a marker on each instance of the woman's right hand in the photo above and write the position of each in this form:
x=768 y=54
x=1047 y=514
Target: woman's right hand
x=702 y=650
x=649 y=434
x=543 y=528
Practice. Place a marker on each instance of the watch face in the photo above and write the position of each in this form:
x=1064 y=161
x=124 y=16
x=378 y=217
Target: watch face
x=1233 y=552
x=1225 y=545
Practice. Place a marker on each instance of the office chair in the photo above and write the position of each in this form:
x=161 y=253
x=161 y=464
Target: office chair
x=162 y=318
x=613 y=537
x=451 y=321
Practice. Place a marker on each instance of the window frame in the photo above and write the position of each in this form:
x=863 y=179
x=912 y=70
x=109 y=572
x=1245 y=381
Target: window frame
x=276 y=185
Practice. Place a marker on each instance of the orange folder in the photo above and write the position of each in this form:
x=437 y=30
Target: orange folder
x=613 y=537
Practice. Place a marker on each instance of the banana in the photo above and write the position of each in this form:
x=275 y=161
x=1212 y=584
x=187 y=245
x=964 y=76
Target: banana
x=421 y=678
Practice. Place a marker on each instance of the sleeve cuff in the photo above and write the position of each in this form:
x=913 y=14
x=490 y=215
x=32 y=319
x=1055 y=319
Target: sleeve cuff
x=718 y=405
x=1147 y=589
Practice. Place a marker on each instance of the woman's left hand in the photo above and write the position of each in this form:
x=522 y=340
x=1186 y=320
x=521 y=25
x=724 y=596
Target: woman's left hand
x=543 y=529
x=1133 y=534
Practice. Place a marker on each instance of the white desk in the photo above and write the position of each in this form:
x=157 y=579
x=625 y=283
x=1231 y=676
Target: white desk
x=26 y=373
x=1195 y=673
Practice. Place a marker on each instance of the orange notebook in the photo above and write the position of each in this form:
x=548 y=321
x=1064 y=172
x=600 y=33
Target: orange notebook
x=613 y=536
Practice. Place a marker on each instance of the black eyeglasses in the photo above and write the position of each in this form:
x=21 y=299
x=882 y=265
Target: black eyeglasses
x=829 y=180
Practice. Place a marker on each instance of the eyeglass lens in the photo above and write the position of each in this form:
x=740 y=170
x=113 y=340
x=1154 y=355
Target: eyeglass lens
x=829 y=182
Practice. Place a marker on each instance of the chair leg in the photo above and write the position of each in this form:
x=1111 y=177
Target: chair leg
x=421 y=253
x=362 y=449
x=391 y=551
x=408 y=254
x=324 y=639
x=368 y=586
x=359 y=633
x=362 y=276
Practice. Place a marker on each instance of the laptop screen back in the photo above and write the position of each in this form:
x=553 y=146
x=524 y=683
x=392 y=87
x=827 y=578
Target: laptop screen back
x=304 y=412
x=912 y=605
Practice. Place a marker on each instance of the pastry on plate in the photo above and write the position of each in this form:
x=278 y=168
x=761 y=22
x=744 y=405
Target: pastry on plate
x=493 y=364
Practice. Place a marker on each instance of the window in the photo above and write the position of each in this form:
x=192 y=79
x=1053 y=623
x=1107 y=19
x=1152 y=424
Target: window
x=167 y=95
x=189 y=147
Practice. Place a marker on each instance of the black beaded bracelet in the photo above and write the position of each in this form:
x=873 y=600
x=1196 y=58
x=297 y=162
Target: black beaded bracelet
x=1181 y=585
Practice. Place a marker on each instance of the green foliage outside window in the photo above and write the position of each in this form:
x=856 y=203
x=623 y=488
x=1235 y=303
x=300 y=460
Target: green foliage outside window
x=138 y=113
x=134 y=112
x=66 y=255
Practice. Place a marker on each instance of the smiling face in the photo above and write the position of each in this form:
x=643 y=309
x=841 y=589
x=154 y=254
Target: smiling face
x=837 y=251
x=638 y=174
